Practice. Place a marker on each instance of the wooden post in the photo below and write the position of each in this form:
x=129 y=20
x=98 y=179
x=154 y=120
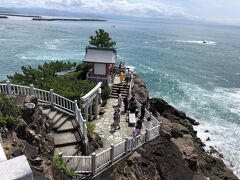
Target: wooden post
x=112 y=153
x=126 y=145
x=9 y=88
x=51 y=97
x=93 y=163
x=31 y=90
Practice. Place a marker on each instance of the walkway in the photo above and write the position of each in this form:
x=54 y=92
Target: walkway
x=105 y=128
x=105 y=124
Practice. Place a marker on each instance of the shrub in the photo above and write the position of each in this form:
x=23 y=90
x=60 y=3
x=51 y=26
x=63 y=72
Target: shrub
x=49 y=76
x=58 y=161
x=9 y=112
x=90 y=128
x=106 y=92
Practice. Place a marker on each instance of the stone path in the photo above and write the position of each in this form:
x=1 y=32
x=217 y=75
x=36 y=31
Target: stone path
x=105 y=129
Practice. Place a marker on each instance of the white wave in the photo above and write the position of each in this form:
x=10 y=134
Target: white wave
x=197 y=42
x=159 y=40
x=53 y=44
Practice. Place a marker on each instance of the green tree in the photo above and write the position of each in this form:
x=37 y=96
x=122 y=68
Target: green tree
x=102 y=39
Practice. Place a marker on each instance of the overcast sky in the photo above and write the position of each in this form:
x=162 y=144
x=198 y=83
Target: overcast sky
x=225 y=11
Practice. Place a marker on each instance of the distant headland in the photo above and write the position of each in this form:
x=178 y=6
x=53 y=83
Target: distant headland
x=3 y=17
x=19 y=15
x=40 y=18
x=64 y=19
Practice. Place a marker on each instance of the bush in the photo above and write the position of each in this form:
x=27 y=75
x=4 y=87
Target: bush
x=58 y=76
x=90 y=128
x=58 y=161
x=9 y=112
x=106 y=92
x=82 y=69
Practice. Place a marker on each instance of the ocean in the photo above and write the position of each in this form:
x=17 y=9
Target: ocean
x=202 y=79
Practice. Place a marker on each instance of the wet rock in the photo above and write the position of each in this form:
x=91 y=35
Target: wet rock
x=206 y=131
x=208 y=139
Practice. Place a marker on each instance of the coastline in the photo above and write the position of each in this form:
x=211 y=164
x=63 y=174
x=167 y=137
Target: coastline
x=178 y=152
x=65 y=19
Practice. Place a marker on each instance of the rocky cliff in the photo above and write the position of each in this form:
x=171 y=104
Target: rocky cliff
x=177 y=154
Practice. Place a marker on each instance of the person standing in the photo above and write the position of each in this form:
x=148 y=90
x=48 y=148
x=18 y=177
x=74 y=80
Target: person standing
x=121 y=76
x=126 y=103
x=119 y=99
x=116 y=118
x=128 y=76
x=143 y=111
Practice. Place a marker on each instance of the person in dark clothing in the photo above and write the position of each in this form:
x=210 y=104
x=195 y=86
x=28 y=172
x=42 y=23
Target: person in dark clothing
x=126 y=103
x=143 y=111
x=139 y=122
x=132 y=105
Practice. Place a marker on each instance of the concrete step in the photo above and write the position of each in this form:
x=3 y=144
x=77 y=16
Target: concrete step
x=72 y=150
x=120 y=87
x=45 y=111
x=57 y=118
x=122 y=90
x=60 y=122
x=116 y=96
x=52 y=114
x=122 y=93
x=65 y=139
x=67 y=126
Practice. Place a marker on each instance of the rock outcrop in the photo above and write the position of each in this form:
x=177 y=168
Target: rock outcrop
x=177 y=154
x=33 y=138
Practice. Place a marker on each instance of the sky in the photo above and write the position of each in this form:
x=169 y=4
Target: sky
x=224 y=11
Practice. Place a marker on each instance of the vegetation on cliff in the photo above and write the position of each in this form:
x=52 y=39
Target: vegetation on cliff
x=63 y=77
x=9 y=113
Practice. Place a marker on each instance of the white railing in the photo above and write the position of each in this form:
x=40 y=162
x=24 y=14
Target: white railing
x=82 y=164
x=154 y=132
x=97 y=79
x=103 y=159
x=3 y=88
x=48 y=97
x=119 y=149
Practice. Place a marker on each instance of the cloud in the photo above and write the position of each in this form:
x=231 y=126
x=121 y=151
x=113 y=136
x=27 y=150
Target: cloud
x=211 y=10
x=127 y=7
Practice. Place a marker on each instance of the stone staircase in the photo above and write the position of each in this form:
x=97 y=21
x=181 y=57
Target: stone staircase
x=124 y=89
x=65 y=131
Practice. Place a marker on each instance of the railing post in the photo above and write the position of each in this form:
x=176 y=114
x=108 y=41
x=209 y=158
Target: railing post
x=75 y=108
x=84 y=130
x=147 y=135
x=31 y=90
x=93 y=163
x=132 y=143
x=9 y=88
x=51 y=97
x=126 y=145
x=112 y=153
x=99 y=92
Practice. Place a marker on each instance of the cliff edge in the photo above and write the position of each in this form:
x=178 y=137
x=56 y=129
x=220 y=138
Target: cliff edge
x=176 y=154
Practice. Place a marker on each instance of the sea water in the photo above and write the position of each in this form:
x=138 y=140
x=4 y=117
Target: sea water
x=194 y=67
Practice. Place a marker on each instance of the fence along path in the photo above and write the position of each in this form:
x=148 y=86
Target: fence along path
x=48 y=97
x=97 y=162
